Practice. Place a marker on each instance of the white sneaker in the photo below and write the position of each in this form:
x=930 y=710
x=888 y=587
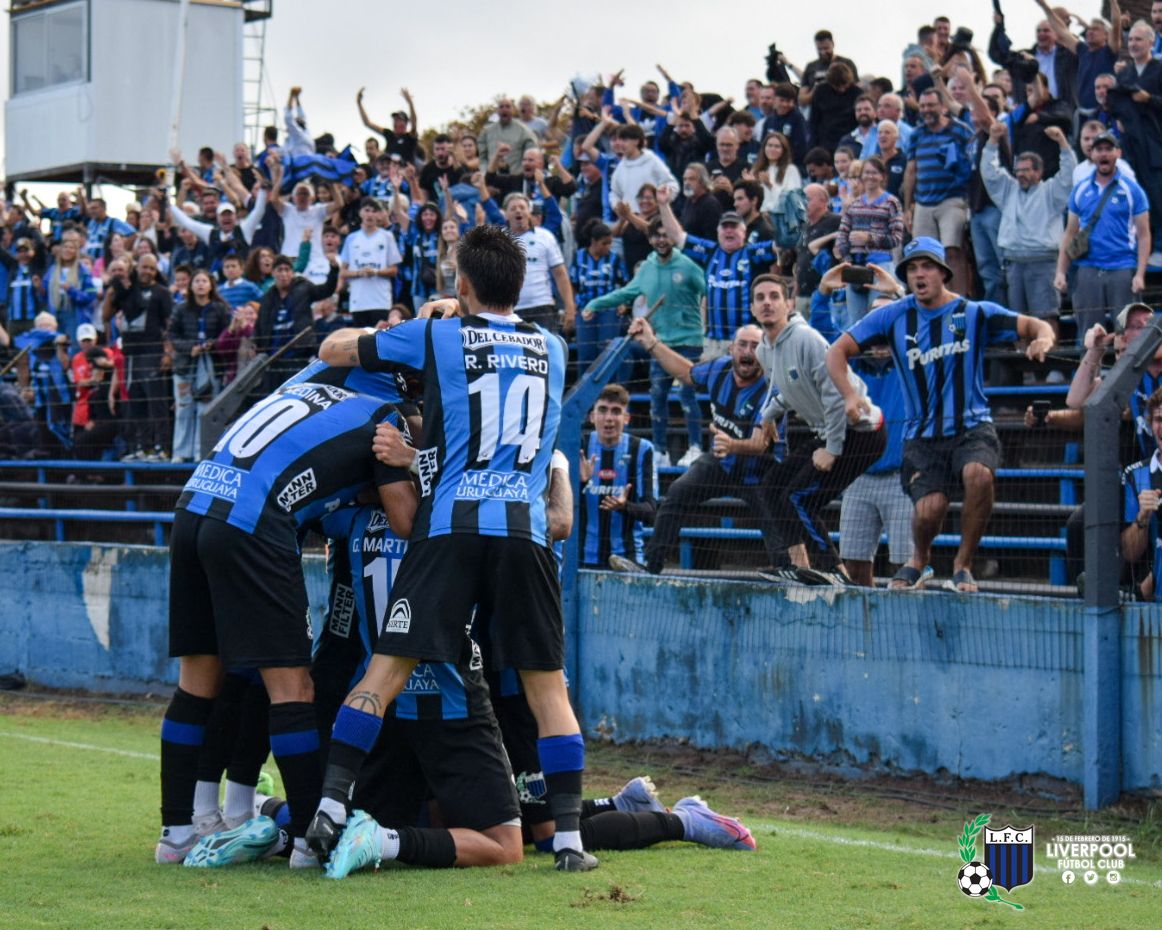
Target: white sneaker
x=662 y=460
x=690 y=457
x=205 y=824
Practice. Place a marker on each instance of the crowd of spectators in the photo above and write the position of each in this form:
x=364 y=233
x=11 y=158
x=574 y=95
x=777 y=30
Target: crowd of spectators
x=1035 y=178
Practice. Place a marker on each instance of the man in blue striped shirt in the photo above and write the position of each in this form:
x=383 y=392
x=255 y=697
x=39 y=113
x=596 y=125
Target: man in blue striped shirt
x=937 y=339
x=936 y=182
x=731 y=264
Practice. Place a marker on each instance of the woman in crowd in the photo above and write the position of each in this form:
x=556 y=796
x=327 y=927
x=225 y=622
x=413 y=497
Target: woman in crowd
x=870 y=228
x=775 y=170
x=71 y=293
x=194 y=330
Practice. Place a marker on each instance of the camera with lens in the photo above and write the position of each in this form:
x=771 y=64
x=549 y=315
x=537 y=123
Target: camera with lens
x=1022 y=69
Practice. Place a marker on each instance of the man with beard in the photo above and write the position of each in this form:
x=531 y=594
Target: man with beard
x=862 y=139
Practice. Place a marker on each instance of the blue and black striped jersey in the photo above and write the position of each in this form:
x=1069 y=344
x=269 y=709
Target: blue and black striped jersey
x=365 y=556
x=616 y=532
x=1142 y=431
x=492 y=406
x=293 y=456
x=728 y=277
x=595 y=277
x=386 y=385
x=939 y=357
x=735 y=410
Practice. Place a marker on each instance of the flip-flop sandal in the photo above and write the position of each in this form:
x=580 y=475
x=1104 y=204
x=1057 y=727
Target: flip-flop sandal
x=909 y=578
x=962 y=577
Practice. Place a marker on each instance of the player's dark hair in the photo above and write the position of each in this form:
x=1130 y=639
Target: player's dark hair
x=614 y=393
x=493 y=262
x=780 y=283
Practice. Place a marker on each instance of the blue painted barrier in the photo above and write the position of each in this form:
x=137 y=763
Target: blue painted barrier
x=980 y=686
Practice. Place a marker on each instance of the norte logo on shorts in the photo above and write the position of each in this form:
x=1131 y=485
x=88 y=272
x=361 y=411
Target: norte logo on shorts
x=301 y=485
x=400 y=618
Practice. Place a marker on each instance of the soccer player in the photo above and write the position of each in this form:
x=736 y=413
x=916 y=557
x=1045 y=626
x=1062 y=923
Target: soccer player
x=237 y=595
x=938 y=339
x=492 y=403
x=619 y=487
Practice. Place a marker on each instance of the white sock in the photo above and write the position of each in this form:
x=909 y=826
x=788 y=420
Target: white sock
x=388 y=843
x=179 y=835
x=336 y=810
x=205 y=798
x=239 y=801
x=570 y=840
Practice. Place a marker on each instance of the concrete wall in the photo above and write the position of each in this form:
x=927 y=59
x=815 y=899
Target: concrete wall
x=981 y=687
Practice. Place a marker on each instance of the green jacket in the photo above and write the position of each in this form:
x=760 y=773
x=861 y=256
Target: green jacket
x=681 y=280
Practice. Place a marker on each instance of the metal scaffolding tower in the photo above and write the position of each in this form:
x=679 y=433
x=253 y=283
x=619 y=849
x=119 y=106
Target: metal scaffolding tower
x=256 y=113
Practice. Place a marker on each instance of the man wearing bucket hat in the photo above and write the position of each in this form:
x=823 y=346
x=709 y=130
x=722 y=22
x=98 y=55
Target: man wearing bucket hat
x=937 y=339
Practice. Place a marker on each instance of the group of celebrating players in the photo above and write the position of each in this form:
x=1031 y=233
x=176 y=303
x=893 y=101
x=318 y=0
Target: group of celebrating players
x=440 y=668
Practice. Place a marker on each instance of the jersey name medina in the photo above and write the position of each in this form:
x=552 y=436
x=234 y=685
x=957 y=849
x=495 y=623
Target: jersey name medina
x=299 y=453
x=492 y=406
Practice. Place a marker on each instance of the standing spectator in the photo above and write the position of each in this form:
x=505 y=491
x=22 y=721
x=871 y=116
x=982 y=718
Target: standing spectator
x=194 y=328
x=511 y=133
x=95 y=418
x=895 y=161
x=301 y=214
x=775 y=170
x=862 y=139
x=538 y=125
x=744 y=125
x=787 y=119
x=228 y=236
x=101 y=226
x=596 y=271
x=730 y=266
x=815 y=471
x=532 y=171
x=1055 y=61
x=69 y=286
x=235 y=345
x=400 y=139
x=634 y=228
x=820 y=229
x=936 y=183
x=284 y=313
x=294 y=120
x=64 y=211
x=619 y=486
x=1116 y=215
x=592 y=200
x=236 y=290
x=441 y=165
x=740 y=458
x=678 y=324
x=1137 y=103
x=544 y=268
x=938 y=340
x=44 y=372
x=1088 y=164
x=143 y=307
x=24 y=298
x=1031 y=226
x=816 y=72
x=700 y=208
x=1096 y=55
x=890 y=107
x=871 y=228
x=833 y=112
x=685 y=140
x=1029 y=123
x=727 y=168
x=748 y=197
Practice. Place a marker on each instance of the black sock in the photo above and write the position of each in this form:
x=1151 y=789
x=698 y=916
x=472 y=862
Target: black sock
x=352 y=738
x=591 y=807
x=252 y=743
x=435 y=849
x=222 y=728
x=295 y=744
x=637 y=830
x=183 y=730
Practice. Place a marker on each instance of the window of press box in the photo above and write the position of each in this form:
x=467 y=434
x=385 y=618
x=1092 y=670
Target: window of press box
x=50 y=46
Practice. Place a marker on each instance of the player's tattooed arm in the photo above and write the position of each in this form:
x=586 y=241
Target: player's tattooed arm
x=341 y=348
x=366 y=701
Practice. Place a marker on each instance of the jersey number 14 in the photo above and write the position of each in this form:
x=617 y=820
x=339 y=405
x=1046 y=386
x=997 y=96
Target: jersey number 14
x=514 y=421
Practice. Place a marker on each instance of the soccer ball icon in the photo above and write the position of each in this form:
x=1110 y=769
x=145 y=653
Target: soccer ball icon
x=974 y=879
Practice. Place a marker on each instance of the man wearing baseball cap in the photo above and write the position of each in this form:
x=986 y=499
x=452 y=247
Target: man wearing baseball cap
x=1116 y=220
x=938 y=339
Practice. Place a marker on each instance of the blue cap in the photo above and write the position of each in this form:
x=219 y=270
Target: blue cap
x=923 y=247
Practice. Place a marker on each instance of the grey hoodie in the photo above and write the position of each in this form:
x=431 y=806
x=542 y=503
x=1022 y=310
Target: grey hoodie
x=797 y=370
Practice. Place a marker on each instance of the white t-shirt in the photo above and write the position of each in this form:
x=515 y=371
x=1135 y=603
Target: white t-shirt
x=377 y=250
x=542 y=254
x=1085 y=169
x=294 y=221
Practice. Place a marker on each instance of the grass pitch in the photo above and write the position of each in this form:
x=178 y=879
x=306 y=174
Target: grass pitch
x=78 y=819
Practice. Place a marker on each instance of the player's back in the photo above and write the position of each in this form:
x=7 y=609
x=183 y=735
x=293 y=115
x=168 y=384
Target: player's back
x=295 y=454
x=492 y=406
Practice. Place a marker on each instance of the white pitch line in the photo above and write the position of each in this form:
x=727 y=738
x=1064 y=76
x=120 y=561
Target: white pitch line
x=781 y=829
x=68 y=744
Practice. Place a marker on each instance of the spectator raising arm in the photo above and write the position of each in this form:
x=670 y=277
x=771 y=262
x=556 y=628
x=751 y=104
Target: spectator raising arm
x=669 y=221
x=374 y=127
x=674 y=364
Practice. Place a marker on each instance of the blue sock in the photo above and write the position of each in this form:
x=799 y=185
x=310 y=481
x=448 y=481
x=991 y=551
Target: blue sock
x=563 y=761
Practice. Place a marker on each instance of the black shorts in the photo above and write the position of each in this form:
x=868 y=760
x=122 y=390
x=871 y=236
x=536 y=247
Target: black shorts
x=518 y=729
x=934 y=466
x=443 y=578
x=460 y=763
x=235 y=596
